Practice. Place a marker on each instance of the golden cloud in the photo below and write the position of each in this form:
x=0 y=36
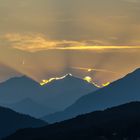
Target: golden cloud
x=39 y=42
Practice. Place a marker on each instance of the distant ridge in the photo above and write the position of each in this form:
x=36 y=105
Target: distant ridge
x=11 y=121
x=117 y=123
x=124 y=90
x=65 y=91
x=30 y=107
x=54 y=96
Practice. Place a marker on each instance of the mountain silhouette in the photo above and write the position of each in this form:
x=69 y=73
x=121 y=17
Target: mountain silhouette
x=64 y=92
x=30 y=107
x=54 y=96
x=11 y=121
x=18 y=88
x=15 y=92
x=121 y=91
x=117 y=123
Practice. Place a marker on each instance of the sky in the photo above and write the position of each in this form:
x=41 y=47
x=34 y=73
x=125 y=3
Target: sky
x=50 y=38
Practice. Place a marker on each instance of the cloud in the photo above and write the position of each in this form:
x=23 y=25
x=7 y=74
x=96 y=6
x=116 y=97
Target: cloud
x=73 y=20
x=66 y=33
x=39 y=42
x=132 y=1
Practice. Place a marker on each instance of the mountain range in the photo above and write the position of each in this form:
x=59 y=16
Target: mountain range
x=11 y=121
x=27 y=96
x=30 y=107
x=114 y=123
x=117 y=123
x=124 y=90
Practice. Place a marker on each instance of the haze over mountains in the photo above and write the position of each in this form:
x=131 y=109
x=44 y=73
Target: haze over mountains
x=11 y=121
x=121 y=91
x=27 y=96
x=117 y=123
x=68 y=60
x=28 y=106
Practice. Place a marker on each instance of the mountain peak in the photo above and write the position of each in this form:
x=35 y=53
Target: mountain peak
x=19 y=81
x=124 y=90
x=58 y=92
x=68 y=75
x=137 y=71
